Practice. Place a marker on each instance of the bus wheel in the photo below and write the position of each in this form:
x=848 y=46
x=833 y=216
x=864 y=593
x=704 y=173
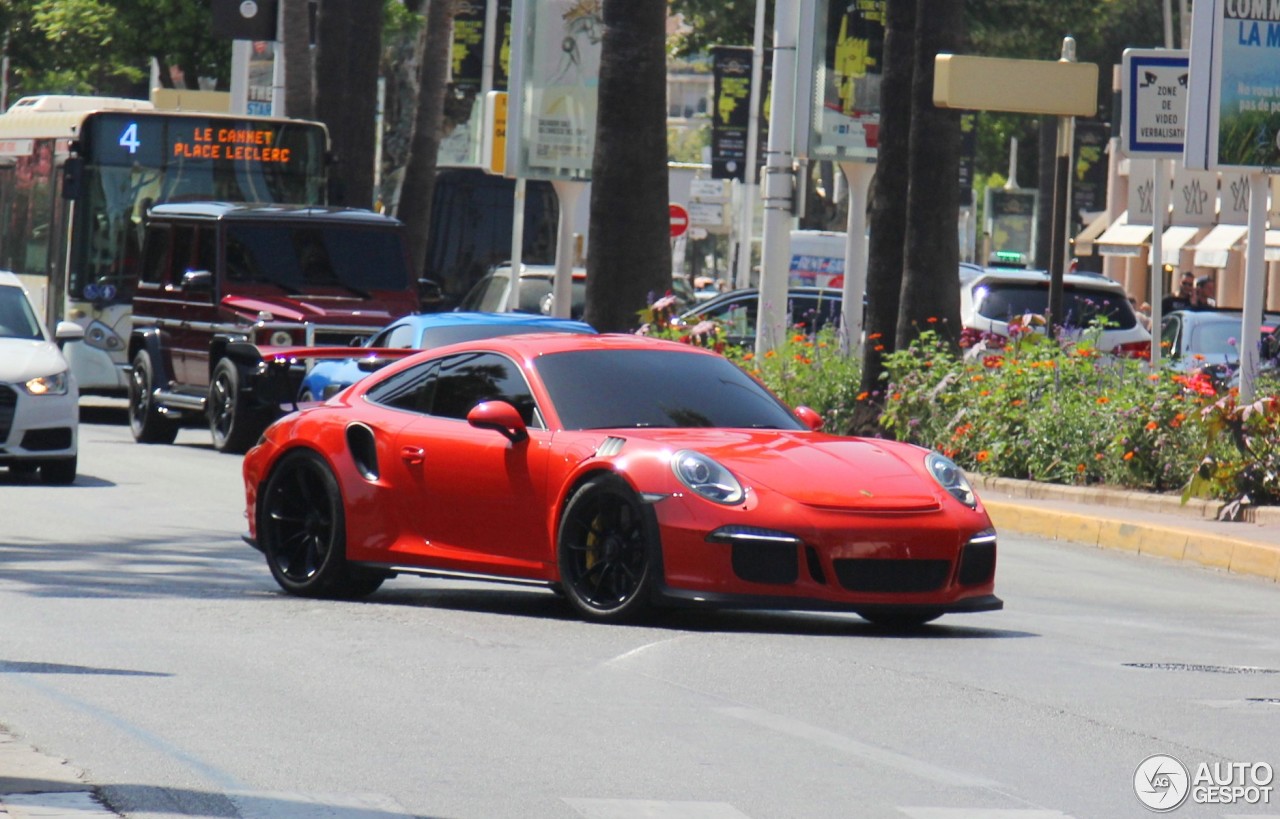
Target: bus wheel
x=234 y=424
x=146 y=422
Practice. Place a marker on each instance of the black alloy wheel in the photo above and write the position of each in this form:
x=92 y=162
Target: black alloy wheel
x=607 y=551
x=146 y=422
x=233 y=423
x=302 y=531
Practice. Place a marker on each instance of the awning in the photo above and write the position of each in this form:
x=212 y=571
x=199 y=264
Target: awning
x=1122 y=238
x=1213 y=249
x=1271 y=248
x=1083 y=243
x=1172 y=241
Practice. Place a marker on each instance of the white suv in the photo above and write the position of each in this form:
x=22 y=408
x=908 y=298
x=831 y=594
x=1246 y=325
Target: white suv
x=39 y=400
x=992 y=300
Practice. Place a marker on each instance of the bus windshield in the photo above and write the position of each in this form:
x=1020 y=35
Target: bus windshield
x=135 y=159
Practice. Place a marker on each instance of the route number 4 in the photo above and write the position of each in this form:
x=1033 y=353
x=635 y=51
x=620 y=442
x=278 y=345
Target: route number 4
x=129 y=138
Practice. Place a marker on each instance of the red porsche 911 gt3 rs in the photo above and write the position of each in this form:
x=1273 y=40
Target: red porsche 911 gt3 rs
x=625 y=472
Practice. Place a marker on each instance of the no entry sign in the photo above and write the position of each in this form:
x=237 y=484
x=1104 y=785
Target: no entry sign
x=679 y=220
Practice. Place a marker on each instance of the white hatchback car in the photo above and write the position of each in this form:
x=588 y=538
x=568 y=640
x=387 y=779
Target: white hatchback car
x=992 y=300
x=39 y=400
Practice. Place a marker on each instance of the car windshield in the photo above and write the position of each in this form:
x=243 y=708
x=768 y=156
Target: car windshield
x=1215 y=338
x=608 y=389
x=17 y=320
x=1002 y=301
x=300 y=259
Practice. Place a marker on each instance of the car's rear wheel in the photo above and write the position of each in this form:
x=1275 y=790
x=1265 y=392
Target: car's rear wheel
x=302 y=531
x=61 y=471
x=607 y=551
x=232 y=421
x=148 y=424
x=900 y=620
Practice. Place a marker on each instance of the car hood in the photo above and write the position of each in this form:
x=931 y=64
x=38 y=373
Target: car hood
x=22 y=359
x=325 y=309
x=816 y=469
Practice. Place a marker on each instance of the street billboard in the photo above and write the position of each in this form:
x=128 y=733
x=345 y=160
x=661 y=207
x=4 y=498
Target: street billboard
x=1233 y=112
x=731 y=108
x=555 y=78
x=839 y=60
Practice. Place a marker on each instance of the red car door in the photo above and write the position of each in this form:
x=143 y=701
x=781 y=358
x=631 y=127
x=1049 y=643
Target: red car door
x=477 y=500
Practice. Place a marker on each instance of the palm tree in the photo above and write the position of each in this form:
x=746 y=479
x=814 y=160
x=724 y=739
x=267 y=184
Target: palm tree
x=629 y=256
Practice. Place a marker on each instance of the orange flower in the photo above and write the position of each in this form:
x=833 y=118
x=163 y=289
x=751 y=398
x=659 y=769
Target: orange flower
x=1098 y=456
x=862 y=396
x=769 y=354
x=1104 y=400
x=797 y=338
x=983 y=456
x=985 y=393
x=879 y=348
x=932 y=319
x=748 y=356
x=1152 y=425
x=1017 y=402
x=1128 y=456
x=1080 y=467
x=873 y=336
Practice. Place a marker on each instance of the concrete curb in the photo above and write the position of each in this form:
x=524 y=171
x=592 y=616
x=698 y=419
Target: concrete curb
x=1154 y=525
x=33 y=784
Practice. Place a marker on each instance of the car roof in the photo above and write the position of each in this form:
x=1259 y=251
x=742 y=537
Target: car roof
x=1012 y=275
x=539 y=271
x=10 y=280
x=527 y=347
x=267 y=212
x=475 y=318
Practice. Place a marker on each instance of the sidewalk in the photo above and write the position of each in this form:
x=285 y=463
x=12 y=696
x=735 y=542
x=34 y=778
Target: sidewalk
x=1157 y=525
x=33 y=784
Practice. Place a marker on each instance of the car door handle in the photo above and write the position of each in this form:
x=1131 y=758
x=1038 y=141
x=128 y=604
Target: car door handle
x=412 y=454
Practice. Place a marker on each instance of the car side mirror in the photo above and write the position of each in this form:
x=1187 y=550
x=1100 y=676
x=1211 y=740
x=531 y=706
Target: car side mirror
x=67 y=331
x=809 y=418
x=499 y=416
x=430 y=293
x=197 y=280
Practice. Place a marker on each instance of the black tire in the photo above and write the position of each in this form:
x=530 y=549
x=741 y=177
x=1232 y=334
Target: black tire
x=900 y=620
x=608 y=551
x=148 y=424
x=23 y=470
x=302 y=531
x=60 y=472
x=234 y=424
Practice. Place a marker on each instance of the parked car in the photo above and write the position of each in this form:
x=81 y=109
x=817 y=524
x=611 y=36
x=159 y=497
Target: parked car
x=595 y=465
x=990 y=302
x=492 y=293
x=810 y=308
x=424 y=332
x=1207 y=341
x=39 y=399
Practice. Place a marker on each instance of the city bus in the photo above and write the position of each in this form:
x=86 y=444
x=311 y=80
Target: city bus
x=77 y=176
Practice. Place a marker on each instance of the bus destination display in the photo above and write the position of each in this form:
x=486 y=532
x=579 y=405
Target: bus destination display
x=151 y=141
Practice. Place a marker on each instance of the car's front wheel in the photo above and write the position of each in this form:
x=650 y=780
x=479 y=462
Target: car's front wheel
x=302 y=531
x=148 y=424
x=232 y=420
x=607 y=551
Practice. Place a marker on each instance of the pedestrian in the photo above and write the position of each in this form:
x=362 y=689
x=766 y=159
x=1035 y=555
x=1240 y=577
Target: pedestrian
x=1205 y=297
x=1183 y=298
x=1144 y=316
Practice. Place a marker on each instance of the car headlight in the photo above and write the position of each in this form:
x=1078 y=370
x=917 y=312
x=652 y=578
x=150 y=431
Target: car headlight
x=706 y=477
x=55 y=384
x=951 y=478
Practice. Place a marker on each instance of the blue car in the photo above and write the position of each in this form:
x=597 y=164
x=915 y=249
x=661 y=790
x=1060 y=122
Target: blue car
x=426 y=331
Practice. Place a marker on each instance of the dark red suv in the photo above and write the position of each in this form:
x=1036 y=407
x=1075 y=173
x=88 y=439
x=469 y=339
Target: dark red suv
x=219 y=281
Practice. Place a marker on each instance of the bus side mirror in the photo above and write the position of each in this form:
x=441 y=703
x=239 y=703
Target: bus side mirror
x=73 y=178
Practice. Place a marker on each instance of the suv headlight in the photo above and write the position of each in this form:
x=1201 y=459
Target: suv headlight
x=55 y=384
x=951 y=478
x=706 y=477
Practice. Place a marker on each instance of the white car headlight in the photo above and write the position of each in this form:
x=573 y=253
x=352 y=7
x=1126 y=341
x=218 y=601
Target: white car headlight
x=55 y=384
x=951 y=478
x=706 y=477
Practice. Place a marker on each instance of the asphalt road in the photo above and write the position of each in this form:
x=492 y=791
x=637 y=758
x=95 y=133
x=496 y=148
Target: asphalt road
x=143 y=641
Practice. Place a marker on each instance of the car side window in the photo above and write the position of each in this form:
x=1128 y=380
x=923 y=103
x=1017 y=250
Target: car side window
x=399 y=337
x=467 y=379
x=409 y=390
